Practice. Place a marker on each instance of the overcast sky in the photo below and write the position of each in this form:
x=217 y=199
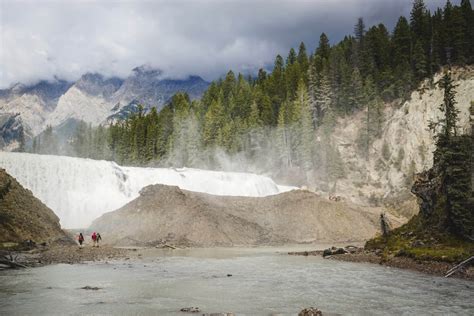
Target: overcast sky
x=65 y=39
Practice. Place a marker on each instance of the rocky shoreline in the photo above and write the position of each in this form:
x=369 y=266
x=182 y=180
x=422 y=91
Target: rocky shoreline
x=72 y=254
x=352 y=254
x=69 y=254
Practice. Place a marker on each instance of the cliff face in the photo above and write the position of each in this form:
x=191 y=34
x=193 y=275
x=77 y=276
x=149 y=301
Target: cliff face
x=405 y=146
x=24 y=217
x=168 y=214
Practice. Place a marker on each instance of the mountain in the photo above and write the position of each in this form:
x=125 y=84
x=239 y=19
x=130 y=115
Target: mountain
x=168 y=214
x=93 y=98
x=33 y=103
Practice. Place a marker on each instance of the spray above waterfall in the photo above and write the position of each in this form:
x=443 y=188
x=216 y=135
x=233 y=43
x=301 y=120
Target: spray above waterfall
x=80 y=190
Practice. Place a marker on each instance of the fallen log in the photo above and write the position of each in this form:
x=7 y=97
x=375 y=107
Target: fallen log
x=169 y=246
x=12 y=264
x=458 y=267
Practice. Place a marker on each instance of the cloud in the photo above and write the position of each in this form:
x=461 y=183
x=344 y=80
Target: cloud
x=65 y=39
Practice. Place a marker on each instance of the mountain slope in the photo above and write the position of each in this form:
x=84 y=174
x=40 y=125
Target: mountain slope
x=23 y=217
x=93 y=98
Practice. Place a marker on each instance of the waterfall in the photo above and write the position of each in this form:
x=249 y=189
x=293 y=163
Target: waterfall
x=79 y=190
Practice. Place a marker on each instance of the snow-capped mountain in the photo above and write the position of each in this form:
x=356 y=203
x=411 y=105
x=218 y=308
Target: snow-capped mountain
x=33 y=103
x=93 y=98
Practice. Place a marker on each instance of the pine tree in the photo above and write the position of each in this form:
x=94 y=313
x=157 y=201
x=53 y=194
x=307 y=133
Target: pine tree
x=276 y=86
x=303 y=141
x=324 y=47
x=303 y=62
x=401 y=49
x=468 y=15
x=323 y=98
x=448 y=123
x=283 y=137
x=359 y=52
x=291 y=59
x=420 y=63
x=214 y=121
x=356 y=95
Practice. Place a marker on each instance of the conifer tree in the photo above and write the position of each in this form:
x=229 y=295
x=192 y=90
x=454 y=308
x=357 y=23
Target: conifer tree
x=324 y=48
x=448 y=123
x=356 y=96
x=291 y=59
x=420 y=63
x=468 y=15
x=283 y=137
x=302 y=128
x=303 y=62
x=214 y=121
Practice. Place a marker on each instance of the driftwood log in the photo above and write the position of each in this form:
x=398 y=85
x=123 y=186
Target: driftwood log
x=10 y=262
x=459 y=267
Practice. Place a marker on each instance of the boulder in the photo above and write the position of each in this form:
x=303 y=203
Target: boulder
x=311 y=311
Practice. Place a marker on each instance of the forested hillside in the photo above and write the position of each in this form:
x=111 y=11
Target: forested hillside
x=281 y=121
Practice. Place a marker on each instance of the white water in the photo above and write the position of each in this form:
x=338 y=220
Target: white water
x=79 y=190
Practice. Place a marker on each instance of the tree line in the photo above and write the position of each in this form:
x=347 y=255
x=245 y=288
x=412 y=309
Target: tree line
x=274 y=117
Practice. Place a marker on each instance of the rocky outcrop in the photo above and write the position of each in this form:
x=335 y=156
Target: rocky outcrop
x=33 y=103
x=166 y=214
x=311 y=311
x=12 y=131
x=25 y=218
x=405 y=146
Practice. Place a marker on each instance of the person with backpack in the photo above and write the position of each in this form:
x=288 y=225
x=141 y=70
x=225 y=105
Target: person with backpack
x=99 y=238
x=80 y=239
x=94 y=239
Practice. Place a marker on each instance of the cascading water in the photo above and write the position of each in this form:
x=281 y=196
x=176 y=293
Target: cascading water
x=79 y=190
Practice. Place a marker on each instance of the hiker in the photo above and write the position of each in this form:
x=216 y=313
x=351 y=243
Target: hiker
x=94 y=239
x=98 y=239
x=80 y=239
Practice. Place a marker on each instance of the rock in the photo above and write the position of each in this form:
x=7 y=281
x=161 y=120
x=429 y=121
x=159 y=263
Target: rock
x=334 y=251
x=417 y=243
x=353 y=249
x=229 y=275
x=190 y=310
x=327 y=252
x=92 y=288
x=311 y=311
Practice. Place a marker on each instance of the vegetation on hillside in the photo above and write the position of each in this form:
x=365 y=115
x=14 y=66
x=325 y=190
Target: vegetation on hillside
x=272 y=119
x=444 y=228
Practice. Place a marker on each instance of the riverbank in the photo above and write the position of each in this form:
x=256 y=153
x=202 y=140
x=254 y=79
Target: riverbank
x=433 y=267
x=69 y=254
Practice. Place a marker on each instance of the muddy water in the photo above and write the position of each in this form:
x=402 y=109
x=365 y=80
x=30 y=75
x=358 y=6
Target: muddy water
x=263 y=282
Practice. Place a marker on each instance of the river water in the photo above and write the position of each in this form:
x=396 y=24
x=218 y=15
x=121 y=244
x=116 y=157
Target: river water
x=263 y=282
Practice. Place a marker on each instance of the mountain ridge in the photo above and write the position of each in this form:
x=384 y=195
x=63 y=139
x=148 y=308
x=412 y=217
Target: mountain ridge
x=93 y=98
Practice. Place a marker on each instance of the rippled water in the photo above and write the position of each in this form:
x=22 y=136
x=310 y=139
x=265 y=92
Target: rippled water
x=262 y=283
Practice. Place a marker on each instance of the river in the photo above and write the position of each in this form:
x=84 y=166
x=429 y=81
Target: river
x=262 y=282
